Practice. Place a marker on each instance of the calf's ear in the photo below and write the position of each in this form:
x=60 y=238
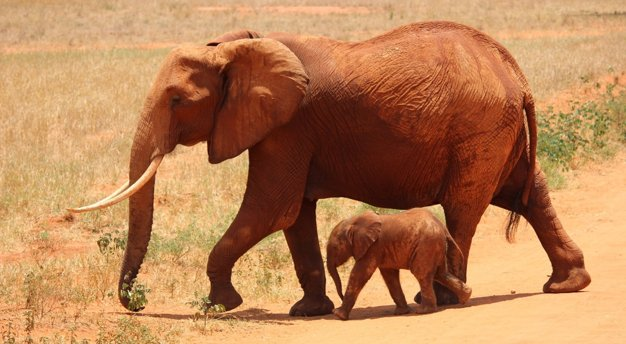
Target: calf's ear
x=362 y=236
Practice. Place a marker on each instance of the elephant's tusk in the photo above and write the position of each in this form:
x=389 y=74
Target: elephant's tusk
x=123 y=193
x=116 y=192
x=111 y=196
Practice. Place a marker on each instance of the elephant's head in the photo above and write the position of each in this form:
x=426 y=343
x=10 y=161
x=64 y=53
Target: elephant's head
x=351 y=238
x=231 y=94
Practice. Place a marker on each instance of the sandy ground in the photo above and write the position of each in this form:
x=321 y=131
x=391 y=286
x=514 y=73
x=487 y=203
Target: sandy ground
x=507 y=305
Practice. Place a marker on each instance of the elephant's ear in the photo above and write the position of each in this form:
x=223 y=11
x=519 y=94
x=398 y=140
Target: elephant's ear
x=264 y=83
x=233 y=36
x=362 y=235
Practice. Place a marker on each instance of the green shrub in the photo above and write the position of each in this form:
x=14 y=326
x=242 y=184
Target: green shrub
x=588 y=130
x=112 y=242
x=137 y=295
x=204 y=305
x=616 y=108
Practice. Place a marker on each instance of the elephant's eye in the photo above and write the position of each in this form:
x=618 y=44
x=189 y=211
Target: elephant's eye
x=176 y=100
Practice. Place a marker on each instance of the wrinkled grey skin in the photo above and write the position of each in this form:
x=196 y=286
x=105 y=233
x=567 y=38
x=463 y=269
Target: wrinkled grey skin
x=413 y=240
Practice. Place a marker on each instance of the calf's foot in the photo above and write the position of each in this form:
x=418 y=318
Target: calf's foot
x=402 y=310
x=341 y=313
x=422 y=309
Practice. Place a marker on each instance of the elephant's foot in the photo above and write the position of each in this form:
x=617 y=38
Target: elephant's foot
x=341 y=313
x=225 y=295
x=310 y=306
x=568 y=281
x=421 y=309
x=464 y=295
x=402 y=310
x=444 y=296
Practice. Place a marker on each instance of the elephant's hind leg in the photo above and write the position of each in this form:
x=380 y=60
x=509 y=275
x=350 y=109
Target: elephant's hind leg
x=392 y=280
x=428 y=301
x=568 y=265
x=307 y=258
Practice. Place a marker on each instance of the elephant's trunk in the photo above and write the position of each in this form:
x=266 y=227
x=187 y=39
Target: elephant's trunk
x=140 y=211
x=334 y=274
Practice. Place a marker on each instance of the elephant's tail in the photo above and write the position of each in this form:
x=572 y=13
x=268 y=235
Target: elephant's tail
x=529 y=108
x=514 y=216
x=456 y=255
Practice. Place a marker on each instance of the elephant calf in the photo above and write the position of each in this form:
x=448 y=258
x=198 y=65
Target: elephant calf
x=414 y=240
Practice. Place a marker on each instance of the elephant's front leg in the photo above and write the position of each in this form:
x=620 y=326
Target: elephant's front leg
x=307 y=259
x=361 y=273
x=247 y=230
x=272 y=202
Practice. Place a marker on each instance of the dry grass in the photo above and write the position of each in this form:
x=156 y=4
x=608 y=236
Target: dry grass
x=74 y=76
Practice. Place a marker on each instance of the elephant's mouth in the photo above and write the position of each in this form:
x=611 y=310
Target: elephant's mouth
x=125 y=191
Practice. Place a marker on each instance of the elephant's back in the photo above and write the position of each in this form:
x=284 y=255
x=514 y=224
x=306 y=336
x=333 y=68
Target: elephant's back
x=433 y=73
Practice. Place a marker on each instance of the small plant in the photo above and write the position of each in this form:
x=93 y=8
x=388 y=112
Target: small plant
x=29 y=319
x=36 y=289
x=8 y=334
x=205 y=307
x=136 y=295
x=109 y=243
x=560 y=137
x=616 y=107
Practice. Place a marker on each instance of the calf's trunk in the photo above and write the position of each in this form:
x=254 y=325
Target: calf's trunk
x=334 y=274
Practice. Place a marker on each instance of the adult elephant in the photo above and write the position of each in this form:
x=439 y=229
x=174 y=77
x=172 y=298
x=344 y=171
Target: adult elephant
x=429 y=113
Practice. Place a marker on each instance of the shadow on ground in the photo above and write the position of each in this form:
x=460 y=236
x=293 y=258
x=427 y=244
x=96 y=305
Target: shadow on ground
x=261 y=315
x=386 y=311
